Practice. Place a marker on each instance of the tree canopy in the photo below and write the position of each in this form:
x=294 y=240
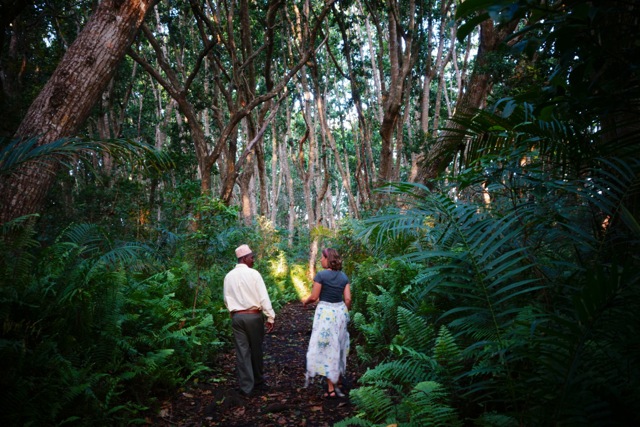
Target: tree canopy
x=485 y=151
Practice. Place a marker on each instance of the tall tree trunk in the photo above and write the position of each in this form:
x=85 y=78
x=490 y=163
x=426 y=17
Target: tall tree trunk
x=307 y=167
x=247 y=174
x=363 y=178
x=401 y=59
x=328 y=138
x=276 y=177
x=286 y=170
x=432 y=70
x=65 y=102
x=170 y=81
x=475 y=96
x=376 y=58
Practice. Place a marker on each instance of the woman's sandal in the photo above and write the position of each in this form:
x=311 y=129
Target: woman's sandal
x=330 y=394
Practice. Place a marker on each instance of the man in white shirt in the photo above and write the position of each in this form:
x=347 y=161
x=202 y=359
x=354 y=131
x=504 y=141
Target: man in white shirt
x=246 y=298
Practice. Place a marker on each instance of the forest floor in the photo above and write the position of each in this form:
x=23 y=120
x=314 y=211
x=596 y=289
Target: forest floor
x=217 y=402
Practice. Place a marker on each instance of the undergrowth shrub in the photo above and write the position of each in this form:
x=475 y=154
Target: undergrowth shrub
x=86 y=337
x=522 y=311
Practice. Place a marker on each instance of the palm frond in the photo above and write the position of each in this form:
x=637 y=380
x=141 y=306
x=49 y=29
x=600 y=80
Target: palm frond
x=510 y=126
x=18 y=152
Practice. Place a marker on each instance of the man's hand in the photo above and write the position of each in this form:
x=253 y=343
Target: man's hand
x=270 y=326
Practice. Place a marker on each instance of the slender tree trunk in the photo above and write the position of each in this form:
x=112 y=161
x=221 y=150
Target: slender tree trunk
x=286 y=170
x=306 y=168
x=247 y=175
x=439 y=93
x=230 y=174
x=475 y=96
x=432 y=70
x=328 y=138
x=276 y=175
x=403 y=121
x=401 y=60
x=65 y=102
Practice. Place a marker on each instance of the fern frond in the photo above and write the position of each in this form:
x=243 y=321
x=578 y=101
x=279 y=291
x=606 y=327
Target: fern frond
x=446 y=350
x=354 y=422
x=427 y=405
x=496 y=420
x=414 y=330
x=400 y=373
x=382 y=328
x=374 y=402
x=17 y=241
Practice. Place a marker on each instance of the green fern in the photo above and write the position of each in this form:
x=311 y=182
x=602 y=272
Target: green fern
x=446 y=351
x=374 y=402
x=354 y=421
x=17 y=242
x=83 y=339
x=428 y=405
x=380 y=330
x=413 y=330
x=537 y=294
x=399 y=374
x=496 y=420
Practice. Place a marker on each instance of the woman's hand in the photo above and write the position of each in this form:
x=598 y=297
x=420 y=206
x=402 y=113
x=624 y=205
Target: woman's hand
x=315 y=294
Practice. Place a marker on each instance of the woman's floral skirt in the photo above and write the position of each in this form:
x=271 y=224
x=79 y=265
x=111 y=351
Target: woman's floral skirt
x=329 y=342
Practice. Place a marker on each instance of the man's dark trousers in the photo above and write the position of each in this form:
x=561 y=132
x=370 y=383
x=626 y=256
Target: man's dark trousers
x=248 y=334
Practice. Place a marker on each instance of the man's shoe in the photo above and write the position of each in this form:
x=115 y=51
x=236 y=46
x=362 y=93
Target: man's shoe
x=262 y=387
x=243 y=393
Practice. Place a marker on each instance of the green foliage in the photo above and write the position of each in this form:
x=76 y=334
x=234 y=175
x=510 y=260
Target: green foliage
x=379 y=276
x=379 y=326
x=413 y=329
x=415 y=368
x=87 y=334
x=15 y=153
x=534 y=293
x=374 y=402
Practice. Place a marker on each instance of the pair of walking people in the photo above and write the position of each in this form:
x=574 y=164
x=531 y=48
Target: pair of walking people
x=247 y=299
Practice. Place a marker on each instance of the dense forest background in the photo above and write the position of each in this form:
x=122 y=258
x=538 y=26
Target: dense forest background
x=476 y=163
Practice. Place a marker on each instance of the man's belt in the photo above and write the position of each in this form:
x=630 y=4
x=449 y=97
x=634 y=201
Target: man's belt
x=254 y=311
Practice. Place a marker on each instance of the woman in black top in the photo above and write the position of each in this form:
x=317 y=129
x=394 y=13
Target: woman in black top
x=329 y=342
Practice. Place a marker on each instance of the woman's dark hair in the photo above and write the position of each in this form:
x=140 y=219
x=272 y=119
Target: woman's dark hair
x=335 y=262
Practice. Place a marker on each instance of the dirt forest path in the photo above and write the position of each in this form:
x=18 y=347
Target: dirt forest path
x=216 y=402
